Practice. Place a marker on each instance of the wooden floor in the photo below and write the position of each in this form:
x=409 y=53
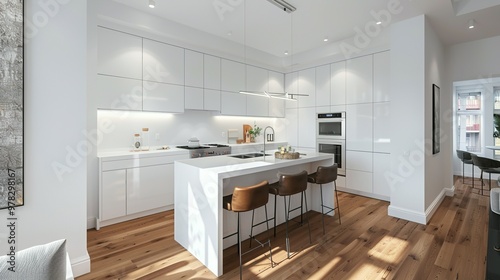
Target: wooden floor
x=367 y=245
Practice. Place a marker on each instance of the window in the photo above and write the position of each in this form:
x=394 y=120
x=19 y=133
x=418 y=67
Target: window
x=469 y=116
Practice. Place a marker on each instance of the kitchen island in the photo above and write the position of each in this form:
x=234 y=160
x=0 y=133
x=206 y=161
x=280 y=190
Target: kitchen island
x=200 y=184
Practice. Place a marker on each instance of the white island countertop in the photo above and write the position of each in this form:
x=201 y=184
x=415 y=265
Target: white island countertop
x=200 y=183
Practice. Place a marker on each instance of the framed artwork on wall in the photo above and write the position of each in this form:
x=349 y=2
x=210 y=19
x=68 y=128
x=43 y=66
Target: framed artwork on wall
x=11 y=104
x=436 y=119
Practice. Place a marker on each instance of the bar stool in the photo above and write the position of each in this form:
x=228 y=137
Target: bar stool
x=466 y=158
x=487 y=165
x=325 y=175
x=288 y=185
x=245 y=199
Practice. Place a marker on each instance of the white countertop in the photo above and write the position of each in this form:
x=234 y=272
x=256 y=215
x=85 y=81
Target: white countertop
x=227 y=166
x=127 y=154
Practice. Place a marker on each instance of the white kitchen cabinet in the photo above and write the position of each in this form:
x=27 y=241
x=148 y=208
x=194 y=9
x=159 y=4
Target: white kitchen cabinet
x=193 y=69
x=382 y=127
x=323 y=85
x=232 y=76
x=292 y=129
x=381 y=77
x=119 y=54
x=292 y=86
x=307 y=85
x=159 y=97
x=149 y=187
x=257 y=106
x=113 y=194
x=211 y=72
x=359 y=80
x=257 y=79
x=360 y=161
x=118 y=93
x=135 y=185
x=194 y=98
x=359 y=127
x=233 y=104
x=381 y=165
x=276 y=84
x=307 y=127
x=163 y=63
x=337 y=82
x=211 y=99
x=359 y=182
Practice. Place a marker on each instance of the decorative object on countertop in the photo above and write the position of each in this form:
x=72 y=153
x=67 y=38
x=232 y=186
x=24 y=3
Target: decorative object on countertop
x=193 y=142
x=145 y=139
x=137 y=142
x=286 y=152
x=246 y=134
x=254 y=132
x=164 y=148
x=232 y=136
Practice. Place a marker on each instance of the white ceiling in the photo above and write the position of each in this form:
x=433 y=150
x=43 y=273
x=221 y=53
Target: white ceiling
x=263 y=26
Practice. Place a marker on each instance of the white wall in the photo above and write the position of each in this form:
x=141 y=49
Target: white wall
x=176 y=129
x=55 y=116
x=407 y=113
x=438 y=167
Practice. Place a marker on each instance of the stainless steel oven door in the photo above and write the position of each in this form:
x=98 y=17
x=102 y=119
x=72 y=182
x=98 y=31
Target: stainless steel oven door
x=335 y=147
x=331 y=126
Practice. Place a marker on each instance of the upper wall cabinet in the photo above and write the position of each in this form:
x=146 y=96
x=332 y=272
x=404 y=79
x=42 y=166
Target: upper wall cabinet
x=119 y=54
x=359 y=80
x=163 y=63
x=276 y=106
x=232 y=76
x=194 y=68
x=211 y=72
x=118 y=93
x=160 y=97
x=323 y=85
x=381 y=77
x=292 y=86
x=337 y=83
x=257 y=106
x=233 y=104
x=257 y=79
x=307 y=85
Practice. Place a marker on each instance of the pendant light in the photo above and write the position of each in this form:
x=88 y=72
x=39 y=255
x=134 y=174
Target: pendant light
x=278 y=95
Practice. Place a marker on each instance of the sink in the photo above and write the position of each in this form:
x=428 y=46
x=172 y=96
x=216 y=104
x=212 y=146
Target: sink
x=250 y=155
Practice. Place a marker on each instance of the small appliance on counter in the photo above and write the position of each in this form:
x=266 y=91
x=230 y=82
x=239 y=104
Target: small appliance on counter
x=193 y=142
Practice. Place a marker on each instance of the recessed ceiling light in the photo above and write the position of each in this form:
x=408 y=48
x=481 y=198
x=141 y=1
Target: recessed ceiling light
x=378 y=22
x=151 y=3
x=472 y=23
x=325 y=40
x=286 y=52
x=229 y=33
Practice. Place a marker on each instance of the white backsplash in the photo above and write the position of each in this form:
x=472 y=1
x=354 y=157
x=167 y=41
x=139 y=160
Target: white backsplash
x=118 y=127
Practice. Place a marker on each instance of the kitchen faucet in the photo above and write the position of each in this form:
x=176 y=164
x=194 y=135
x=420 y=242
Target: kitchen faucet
x=265 y=138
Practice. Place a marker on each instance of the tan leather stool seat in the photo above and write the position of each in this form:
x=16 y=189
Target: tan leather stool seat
x=245 y=199
x=288 y=185
x=325 y=175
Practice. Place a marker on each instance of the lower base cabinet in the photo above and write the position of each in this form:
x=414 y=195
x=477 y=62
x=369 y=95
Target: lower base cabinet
x=133 y=188
x=149 y=187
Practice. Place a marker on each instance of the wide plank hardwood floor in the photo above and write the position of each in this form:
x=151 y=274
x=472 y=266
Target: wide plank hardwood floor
x=367 y=245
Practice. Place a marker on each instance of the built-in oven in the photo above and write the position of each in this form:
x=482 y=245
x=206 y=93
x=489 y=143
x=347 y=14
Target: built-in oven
x=337 y=149
x=330 y=126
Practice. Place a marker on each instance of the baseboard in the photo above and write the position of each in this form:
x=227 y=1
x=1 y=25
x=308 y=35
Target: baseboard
x=409 y=215
x=91 y=222
x=81 y=265
x=420 y=217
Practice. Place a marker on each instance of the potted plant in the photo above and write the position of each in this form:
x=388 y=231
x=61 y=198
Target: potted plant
x=254 y=132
